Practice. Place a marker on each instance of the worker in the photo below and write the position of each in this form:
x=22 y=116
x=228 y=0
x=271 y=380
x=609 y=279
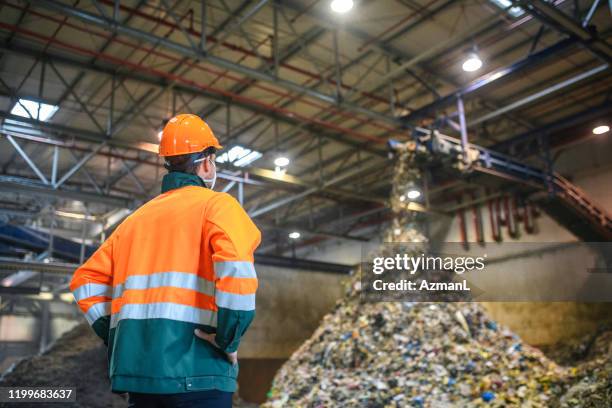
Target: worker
x=172 y=290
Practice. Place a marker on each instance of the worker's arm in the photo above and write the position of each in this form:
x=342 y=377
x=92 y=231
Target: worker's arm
x=92 y=288
x=234 y=238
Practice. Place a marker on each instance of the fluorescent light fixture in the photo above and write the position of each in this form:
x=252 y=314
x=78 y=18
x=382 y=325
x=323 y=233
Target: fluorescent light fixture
x=239 y=156
x=341 y=6
x=472 y=63
x=505 y=5
x=45 y=296
x=294 y=235
x=281 y=161
x=67 y=297
x=413 y=194
x=76 y=216
x=600 y=130
x=32 y=109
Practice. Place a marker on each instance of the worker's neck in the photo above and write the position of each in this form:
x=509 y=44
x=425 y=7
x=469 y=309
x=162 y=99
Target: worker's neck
x=177 y=179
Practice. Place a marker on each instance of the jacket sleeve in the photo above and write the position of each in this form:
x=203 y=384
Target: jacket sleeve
x=92 y=288
x=233 y=238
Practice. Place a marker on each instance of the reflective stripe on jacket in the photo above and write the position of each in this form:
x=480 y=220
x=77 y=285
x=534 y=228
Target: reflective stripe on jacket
x=184 y=260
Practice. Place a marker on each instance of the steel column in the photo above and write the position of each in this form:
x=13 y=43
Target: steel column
x=463 y=128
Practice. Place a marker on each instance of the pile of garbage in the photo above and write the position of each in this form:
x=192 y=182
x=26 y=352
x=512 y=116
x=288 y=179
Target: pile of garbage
x=419 y=354
x=586 y=348
x=77 y=359
x=591 y=360
x=431 y=355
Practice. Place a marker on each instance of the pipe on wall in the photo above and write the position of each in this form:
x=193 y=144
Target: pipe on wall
x=494 y=219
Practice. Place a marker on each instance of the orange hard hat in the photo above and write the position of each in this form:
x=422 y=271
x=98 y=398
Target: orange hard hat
x=186 y=133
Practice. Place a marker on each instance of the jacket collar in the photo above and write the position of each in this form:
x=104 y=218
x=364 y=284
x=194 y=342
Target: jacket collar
x=175 y=179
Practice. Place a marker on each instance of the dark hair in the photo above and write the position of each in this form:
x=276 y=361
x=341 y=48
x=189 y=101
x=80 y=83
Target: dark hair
x=185 y=162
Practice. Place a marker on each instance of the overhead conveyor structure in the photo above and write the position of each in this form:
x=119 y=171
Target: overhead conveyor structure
x=16 y=241
x=558 y=197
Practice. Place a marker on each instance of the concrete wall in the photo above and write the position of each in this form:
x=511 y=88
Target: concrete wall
x=290 y=305
x=544 y=323
x=21 y=334
x=549 y=322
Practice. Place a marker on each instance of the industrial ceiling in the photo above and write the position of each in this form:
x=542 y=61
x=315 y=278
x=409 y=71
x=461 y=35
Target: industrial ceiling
x=282 y=78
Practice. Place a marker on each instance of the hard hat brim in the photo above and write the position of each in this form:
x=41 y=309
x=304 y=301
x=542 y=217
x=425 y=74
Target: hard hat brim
x=216 y=146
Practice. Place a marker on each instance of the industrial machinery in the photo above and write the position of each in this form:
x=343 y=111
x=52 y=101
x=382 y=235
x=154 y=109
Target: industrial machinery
x=559 y=198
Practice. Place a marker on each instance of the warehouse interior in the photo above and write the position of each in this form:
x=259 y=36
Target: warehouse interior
x=493 y=116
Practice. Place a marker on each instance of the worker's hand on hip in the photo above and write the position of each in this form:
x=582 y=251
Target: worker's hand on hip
x=210 y=337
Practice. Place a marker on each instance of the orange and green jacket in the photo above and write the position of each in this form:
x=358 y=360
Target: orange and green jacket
x=182 y=261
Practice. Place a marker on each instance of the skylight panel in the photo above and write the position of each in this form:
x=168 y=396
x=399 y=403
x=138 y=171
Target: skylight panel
x=504 y=4
x=239 y=156
x=32 y=109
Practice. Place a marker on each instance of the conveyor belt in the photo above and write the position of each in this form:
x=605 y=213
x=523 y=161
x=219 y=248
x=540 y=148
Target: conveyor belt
x=558 y=197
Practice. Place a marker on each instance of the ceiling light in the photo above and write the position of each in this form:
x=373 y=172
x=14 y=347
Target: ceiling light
x=281 y=161
x=472 y=63
x=341 y=6
x=32 y=109
x=294 y=235
x=599 y=130
x=413 y=194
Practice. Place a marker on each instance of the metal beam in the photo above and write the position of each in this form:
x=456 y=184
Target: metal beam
x=228 y=31
x=23 y=185
x=338 y=134
x=76 y=97
x=197 y=54
x=78 y=166
x=83 y=169
x=405 y=61
x=487 y=79
x=306 y=38
x=560 y=21
x=584 y=116
x=284 y=201
x=540 y=94
x=265 y=174
x=291 y=263
x=589 y=16
x=27 y=159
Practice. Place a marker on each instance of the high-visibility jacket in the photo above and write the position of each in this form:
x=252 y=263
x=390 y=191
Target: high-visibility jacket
x=182 y=261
